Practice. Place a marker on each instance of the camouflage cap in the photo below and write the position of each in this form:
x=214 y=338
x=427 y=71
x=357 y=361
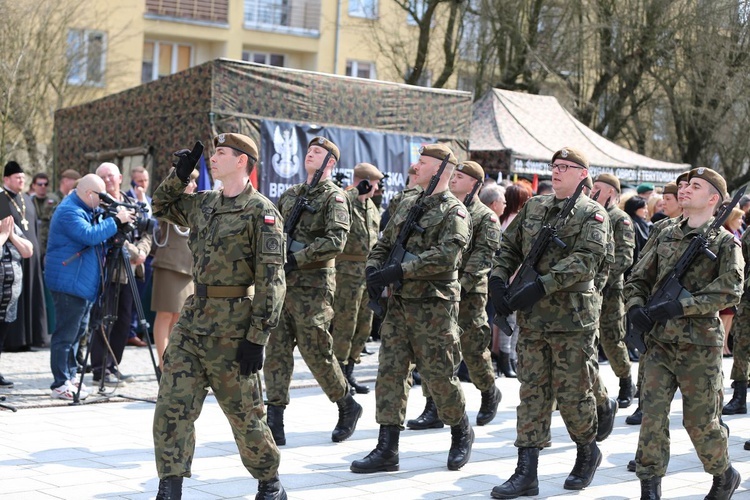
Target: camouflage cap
x=325 y=144
x=573 y=155
x=438 y=151
x=610 y=179
x=367 y=171
x=70 y=174
x=683 y=177
x=472 y=169
x=670 y=188
x=712 y=177
x=238 y=142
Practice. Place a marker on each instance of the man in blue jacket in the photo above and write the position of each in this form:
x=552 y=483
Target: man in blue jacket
x=72 y=274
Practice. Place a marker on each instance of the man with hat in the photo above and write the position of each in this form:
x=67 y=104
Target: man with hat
x=671 y=206
x=30 y=327
x=68 y=180
x=685 y=338
x=352 y=319
x=420 y=326
x=218 y=340
x=558 y=315
x=645 y=190
x=476 y=263
x=311 y=281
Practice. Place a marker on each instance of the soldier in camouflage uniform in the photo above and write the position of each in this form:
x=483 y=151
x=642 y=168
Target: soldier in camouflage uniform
x=558 y=314
x=45 y=205
x=311 y=283
x=352 y=319
x=685 y=338
x=420 y=325
x=237 y=241
x=741 y=346
x=472 y=315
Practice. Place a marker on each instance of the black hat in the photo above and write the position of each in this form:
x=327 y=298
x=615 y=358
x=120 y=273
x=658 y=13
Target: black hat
x=12 y=168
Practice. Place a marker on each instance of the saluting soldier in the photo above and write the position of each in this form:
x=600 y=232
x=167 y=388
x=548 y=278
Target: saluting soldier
x=685 y=338
x=352 y=319
x=558 y=314
x=421 y=323
x=311 y=283
x=237 y=241
x=476 y=263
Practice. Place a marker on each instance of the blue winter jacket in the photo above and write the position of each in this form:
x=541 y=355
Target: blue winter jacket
x=73 y=247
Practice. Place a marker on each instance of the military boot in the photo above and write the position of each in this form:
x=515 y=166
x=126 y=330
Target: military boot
x=170 y=488
x=428 y=419
x=738 y=404
x=587 y=460
x=636 y=417
x=523 y=482
x=488 y=409
x=275 y=421
x=270 y=490
x=651 y=488
x=625 y=397
x=462 y=439
x=384 y=458
x=349 y=413
x=350 y=387
x=605 y=417
x=724 y=485
x=358 y=388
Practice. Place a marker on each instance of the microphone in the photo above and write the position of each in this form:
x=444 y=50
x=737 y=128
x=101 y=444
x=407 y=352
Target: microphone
x=106 y=197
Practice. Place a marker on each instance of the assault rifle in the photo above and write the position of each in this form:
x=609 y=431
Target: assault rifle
x=527 y=272
x=398 y=252
x=302 y=205
x=470 y=197
x=671 y=288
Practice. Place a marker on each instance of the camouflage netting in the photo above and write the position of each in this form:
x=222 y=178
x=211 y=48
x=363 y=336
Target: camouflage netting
x=232 y=96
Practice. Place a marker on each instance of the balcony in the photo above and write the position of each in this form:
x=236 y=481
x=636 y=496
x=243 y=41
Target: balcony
x=202 y=11
x=293 y=17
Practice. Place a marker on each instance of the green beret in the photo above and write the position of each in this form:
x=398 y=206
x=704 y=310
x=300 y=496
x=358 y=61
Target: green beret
x=609 y=179
x=588 y=182
x=644 y=188
x=573 y=155
x=670 y=188
x=439 y=151
x=683 y=177
x=325 y=144
x=238 y=142
x=367 y=171
x=712 y=177
x=472 y=169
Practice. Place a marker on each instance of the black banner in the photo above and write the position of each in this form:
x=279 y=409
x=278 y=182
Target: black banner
x=284 y=145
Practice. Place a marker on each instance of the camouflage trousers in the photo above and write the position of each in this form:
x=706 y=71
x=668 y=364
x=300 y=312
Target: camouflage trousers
x=555 y=365
x=192 y=364
x=352 y=319
x=696 y=371
x=612 y=332
x=422 y=332
x=741 y=343
x=475 y=342
x=598 y=388
x=304 y=323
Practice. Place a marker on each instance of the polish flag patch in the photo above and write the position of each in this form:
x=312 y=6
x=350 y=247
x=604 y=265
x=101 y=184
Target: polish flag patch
x=599 y=217
x=461 y=213
x=339 y=198
x=269 y=219
x=626 y=222
x=493 y=218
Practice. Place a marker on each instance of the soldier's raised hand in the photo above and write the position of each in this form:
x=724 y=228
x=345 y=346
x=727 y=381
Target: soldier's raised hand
x=187 y=160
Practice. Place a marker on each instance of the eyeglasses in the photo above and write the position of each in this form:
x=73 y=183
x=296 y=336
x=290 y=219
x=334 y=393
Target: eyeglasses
x=562 y=167
x=42 y=184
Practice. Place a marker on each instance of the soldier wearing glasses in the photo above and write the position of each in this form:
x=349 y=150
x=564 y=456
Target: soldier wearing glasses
x=558 y=314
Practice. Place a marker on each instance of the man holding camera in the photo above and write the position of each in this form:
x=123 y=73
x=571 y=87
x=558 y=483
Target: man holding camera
x=107 y=350
x=72 y=275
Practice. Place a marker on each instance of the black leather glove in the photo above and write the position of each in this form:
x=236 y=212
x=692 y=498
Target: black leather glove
x=291 y=263
x=250 y=357
x=364 y=186
x=640 y=319
x=373 y=288
x=665 y=311
x=527 y=295
x=187 y=160
x=386 y=276
x=498 y=289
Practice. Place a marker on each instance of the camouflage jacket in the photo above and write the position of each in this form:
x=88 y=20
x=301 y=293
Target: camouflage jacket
x=745 y=241
x=713 y=285
x=585 y=234
x=363 y=233
x=234 y=241
x=447 y=231
x=624 y=241
x=485 y=241
x=44 y=209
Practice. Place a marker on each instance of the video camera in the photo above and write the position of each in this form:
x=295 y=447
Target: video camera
x=142 y=223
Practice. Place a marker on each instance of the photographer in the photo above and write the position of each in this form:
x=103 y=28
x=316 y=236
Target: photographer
x=118 y=294
x=72 y=275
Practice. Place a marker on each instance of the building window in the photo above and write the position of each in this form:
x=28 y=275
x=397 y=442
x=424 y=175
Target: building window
x=164 y=58
x=273 y=12
x=86 y=54
x=360 y=69
x=363 y=8
x=264 y=58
